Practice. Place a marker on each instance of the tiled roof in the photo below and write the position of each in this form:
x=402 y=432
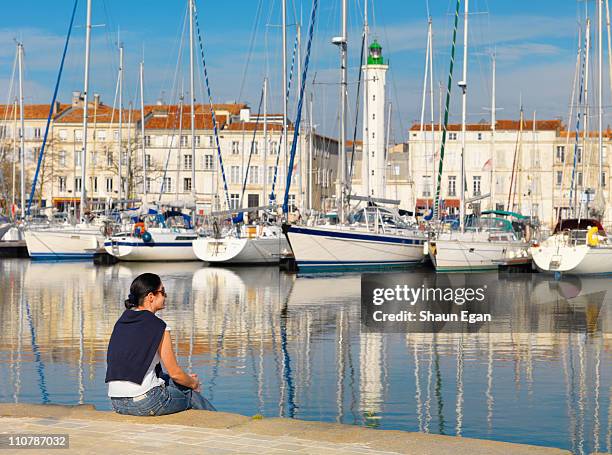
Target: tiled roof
x=250 y=126
x=30 y=111
x=168 y=118
x=500 y=125
x=100 y=114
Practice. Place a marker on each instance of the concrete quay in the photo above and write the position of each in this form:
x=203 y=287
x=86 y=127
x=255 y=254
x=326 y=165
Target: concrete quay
x=201 y=432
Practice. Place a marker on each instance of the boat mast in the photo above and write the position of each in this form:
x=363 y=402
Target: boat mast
x=192 y=101
x=342 y=42
x=22 y=131
x=493 y=125
x=15 y=152
x=600 y=94
x=85 y=97
x=365 y=154
x=120 y=122
x=142 y=134
x=265 y=135
x=463 y=86
x=310 y=144
x=180 y=135
x=284 y=87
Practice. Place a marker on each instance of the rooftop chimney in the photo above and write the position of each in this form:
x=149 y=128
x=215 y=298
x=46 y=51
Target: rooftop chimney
x=96 y=99
x=245 y=115
x=76 y=98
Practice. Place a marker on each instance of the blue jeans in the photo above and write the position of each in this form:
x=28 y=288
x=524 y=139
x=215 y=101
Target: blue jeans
x=165 y=399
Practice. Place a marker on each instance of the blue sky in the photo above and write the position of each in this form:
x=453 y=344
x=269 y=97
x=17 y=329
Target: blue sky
x=535 y=51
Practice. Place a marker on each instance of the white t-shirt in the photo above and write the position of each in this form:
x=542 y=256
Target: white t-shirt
x=129 y=389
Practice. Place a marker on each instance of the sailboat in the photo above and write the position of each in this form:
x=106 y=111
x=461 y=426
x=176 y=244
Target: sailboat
x=262 y=243
x=481 y=243
x=580 y=246
x=372 y=237
x=82 y=240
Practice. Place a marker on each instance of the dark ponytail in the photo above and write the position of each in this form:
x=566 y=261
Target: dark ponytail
x=140 y=288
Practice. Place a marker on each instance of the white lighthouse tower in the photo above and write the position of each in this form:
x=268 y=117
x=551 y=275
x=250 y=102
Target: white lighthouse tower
x=373 y=162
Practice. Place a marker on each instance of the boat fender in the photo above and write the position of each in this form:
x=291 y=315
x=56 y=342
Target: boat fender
x=147 y=237
x=139 y=229
x=592 y=237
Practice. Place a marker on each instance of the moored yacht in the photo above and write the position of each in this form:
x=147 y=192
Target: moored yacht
x=577 y=246
x=167 y=237
x=376 y=238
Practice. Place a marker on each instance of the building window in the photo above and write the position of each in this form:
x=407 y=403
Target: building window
x=560 y=154
x=291 y=203
x=374 y=116
x=36 y=133
x=124 y=158
x=61 y=158
x=452 y=185
x=78 y=135
x=373 y=135
x=396 y=170
x=61 y=183
x=270 y=176
x=147 y=160
x=235 y=174
x=101 y=135
x=253 y=200
x=253 y=175
x=109 y=158
x=426 y=186
x=603 y=179
x=148 y=185
x=94 y=158
x=196 y=140
x=235 y=147
x=273 y=148
x=78 y=185
x=183 y=141
x=187 y=184
x=476 y=185
x=579 y=179
x=168 y=184
x=77 y=158
x=116 y=135
x=254 y=148
x=109 y=184
x=147 y=141
x=234 y=199
x=208 y=162
x=373 y=97
x=187 y=162
x=63 y=135
x=123 y=184
x=579 y=155
x=211 y=141
x=559 y=178
x=94 y=184
x=479 y=136
x=452 y=136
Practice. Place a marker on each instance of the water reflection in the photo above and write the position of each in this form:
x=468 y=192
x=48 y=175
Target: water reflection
x=269 y=343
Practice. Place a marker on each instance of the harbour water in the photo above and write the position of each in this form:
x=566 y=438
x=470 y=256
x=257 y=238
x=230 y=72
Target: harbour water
x=265 y=342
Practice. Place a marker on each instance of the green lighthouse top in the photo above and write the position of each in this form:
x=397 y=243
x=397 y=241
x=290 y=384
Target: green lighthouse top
x=375 y=56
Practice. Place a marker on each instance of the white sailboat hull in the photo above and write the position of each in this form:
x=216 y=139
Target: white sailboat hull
x=573 y=259
x=232 y=250
x=165 y=246
x=334 y=248
x=4 y=228
x=62 y=244
x=470 y=252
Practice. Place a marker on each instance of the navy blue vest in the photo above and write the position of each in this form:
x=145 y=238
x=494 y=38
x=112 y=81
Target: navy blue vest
x=132 y=346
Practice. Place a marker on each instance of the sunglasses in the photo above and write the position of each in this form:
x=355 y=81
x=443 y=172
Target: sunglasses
x=162 y=291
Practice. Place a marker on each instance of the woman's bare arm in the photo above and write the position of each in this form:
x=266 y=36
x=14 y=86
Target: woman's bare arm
x=166 y=353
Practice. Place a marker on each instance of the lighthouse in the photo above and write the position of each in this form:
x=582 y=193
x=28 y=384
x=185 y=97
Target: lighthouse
x=373 y=157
